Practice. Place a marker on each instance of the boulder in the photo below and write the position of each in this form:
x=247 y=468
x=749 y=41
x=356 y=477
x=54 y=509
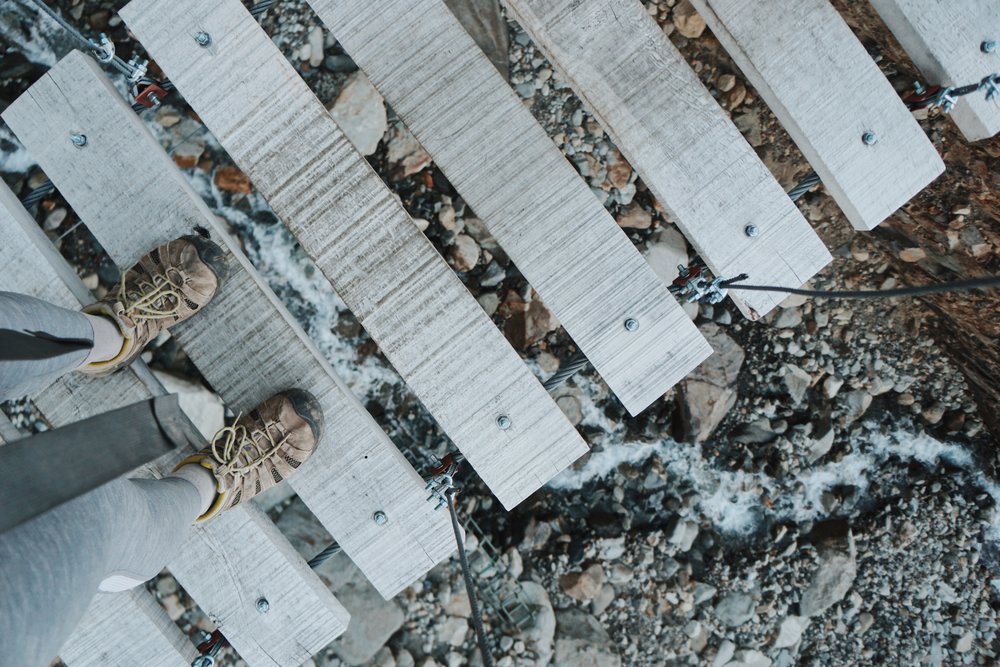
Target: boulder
x=835 y=572
x=582 y=641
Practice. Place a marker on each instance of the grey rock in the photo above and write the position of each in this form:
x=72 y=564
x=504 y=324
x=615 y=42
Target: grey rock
x=464 y=253
x=709 y=392
x=542 y=629
x=582 y=641
x=373 y=619
x=735 y=609
x=360 y=112
x=749 y=658
x=856 y=405
x=665 y=251
x=725 y=653
x=790 y=631
x=340 y=63
x=834 y=575
x=797 y=382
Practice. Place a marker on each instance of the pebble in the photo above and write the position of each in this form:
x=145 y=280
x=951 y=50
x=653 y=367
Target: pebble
x=687 y=20
x=465 y=253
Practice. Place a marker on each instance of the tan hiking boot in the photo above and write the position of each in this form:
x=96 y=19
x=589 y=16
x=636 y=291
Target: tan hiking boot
x=262 y=448
x=166 y=286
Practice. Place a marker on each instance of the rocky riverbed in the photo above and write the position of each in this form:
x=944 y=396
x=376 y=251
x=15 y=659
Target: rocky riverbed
x=821 y=492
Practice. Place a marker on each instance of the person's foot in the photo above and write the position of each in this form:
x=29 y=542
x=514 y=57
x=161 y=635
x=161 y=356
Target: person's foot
x=166 y=286
x=262 y=448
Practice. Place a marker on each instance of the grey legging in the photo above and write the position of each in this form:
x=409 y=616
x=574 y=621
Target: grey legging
x=120 y=533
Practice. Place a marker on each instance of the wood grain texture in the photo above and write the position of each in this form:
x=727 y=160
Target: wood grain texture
x=944 y=38
x=681 y=142
x=130 y=637
x=825 y=89
x=8 y=432
x=407 y=297
x=246 y=344
x=115 y=630
x=534 y=203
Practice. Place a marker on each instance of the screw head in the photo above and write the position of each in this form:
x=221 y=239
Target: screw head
x=380 y=518
x=263 y=606
x=503 y=422
x=79 y=140
x=989 y=46
x=869 y=138
x=751 y=231
x=203 y=38
x=631 y=324
x=203 y=661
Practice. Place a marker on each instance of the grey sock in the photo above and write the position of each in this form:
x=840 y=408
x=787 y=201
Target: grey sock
x=202 y=479
x=108 y=340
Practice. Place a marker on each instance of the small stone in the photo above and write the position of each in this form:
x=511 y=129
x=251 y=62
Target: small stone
x=789 y=318
x=583 y=585
x=91 y=281
x=340 y=63
x=55 y=218
x=797 y=382
x=173 y=607
x=688 y=21
x=963 y=643
x=735 y=609
x=857 y=404
x=603 y=599
x=749 y=658
x=906 y=399
x=315 y=41
x=453 y=630
x=790 y=631
x=465 y=253
x=725 y=653
x=360 y=112
x=635 y=217
x=665 y=250
x=865 y=621
x=834 y=574
x=489 y=301
x=912 y=254
x=726 y=82
x=619 y=170
x=736 y=96
x=933 y=413
x=832 y=385
x=231 y=179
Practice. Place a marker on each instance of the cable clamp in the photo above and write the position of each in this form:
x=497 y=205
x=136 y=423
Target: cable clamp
x=105 y=50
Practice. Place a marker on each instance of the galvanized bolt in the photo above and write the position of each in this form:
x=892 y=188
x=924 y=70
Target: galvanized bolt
x=503 y=422
x=989 y=46
x=203 y=38
x=380 y=518
x=79 y=140
x=751 y=231
x=631 y=324
x=869 y=138
x=203 y=661
x=263 y=606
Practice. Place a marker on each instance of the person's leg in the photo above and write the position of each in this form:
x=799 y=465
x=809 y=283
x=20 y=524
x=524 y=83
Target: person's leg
x=113 y=538
x=41 y=342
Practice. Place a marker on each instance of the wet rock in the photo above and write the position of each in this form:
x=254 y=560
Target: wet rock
x=688 y=21
x=582 y=641
x=360 y=112
x=583 y=585
x=835 y=571
x=735 y=609
x=709 y=392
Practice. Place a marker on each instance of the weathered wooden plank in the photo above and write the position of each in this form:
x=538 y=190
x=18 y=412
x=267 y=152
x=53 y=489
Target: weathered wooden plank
x=405 y=295
x=247 y=345
x=132 y=629
x=945 y=39
x=8 y=432
x=681 y=142
x=535 y=204
x=825 y=89
x=117 y=630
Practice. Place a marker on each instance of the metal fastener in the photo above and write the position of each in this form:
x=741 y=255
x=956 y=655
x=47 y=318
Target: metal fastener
x=989 y=46
x=631 y=324
x=203 y=661
x=263 y=606
x=380 y=518
x=751 y=231
x=869 y=138
x=203 y=38
x=503 y=422
x=79 y=140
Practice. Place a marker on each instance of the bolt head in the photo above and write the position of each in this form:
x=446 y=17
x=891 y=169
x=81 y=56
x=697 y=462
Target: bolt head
x=631 y=324
x=203 y=38
x=751 y=231
x=380 y=518
x=869 y=138
x=263 y=606
x=79 y=140
x=503 y=422
x=203 y=661
x=989 y=46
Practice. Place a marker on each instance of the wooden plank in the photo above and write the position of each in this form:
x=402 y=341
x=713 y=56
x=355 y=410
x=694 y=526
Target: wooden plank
x=401 y=290
x=534 y=203
x=116 y=630
x=247 y=345
x=945 y=40
x=241 y=549
x=681 y=142
x=8 y=432
x=825 y=89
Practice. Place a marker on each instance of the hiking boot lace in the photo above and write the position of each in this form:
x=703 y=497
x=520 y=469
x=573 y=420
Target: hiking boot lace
x=239 y=451
x=152 y=300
